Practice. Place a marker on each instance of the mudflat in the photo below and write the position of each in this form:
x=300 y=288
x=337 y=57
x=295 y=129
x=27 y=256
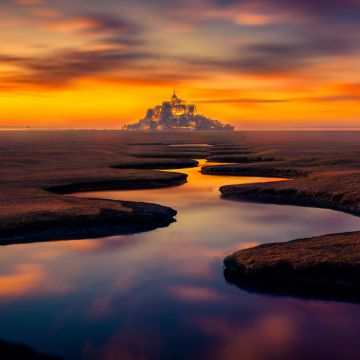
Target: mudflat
x=39 y=167
x=322 y=170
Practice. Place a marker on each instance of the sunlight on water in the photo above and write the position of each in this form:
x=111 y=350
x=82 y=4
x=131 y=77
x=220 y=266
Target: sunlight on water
x=162 y=295
x=199 y=189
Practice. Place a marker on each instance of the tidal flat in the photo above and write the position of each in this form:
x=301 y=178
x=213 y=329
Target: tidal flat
x=146 y=235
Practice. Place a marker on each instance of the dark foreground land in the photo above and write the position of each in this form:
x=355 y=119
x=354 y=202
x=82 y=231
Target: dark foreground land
x=38 y=168
x=325 y=267
x=16 y=351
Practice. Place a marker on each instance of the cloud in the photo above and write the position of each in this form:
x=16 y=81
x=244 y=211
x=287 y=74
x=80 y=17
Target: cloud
x=45 y=12
x=329 y=98
x=242 y=101
x=94 y=24
x=30 y=2
x=341 y=9
x=10 y=59
x=285 y=36
x=110 y=44
x=102 y=32
x=333 y=98
x=195 y=294
x=63 y=67
x=246 y=14
x=31 y=279
x=119 y=58
x=22 y=281
x=261 y=13
x=102 y=63
x=286 y=56
x=278 y=57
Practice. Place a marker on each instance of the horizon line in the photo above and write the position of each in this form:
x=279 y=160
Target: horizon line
x=68 y=128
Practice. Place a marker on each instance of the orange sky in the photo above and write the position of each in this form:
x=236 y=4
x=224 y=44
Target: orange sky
x=257 y=64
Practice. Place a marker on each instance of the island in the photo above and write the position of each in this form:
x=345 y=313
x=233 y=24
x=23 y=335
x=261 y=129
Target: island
x=176 y=114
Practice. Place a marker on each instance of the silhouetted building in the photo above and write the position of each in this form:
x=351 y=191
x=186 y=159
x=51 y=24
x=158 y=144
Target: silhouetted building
x=176 y=114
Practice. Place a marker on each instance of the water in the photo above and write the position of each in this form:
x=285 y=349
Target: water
x=162 y=295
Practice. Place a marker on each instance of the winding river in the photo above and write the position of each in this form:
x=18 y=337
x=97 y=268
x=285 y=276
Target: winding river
x=162 y=294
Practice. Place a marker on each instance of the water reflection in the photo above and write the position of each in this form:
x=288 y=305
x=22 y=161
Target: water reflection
x=200 y=190
x=161 y=294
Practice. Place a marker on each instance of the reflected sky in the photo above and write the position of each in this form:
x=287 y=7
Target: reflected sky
x=162 y=295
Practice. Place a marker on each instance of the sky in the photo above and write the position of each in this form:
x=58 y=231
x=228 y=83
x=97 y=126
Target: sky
x=258 y=64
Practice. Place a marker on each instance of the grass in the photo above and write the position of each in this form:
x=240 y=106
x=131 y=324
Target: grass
x=325 y=267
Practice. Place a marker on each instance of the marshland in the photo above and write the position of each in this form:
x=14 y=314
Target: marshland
x=114 y=244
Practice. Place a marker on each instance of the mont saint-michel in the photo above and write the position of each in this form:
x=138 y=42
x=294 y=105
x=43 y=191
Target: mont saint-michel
x=176 y=114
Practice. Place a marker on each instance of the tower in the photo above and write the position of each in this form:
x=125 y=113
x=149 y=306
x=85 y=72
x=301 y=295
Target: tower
x=174 y=98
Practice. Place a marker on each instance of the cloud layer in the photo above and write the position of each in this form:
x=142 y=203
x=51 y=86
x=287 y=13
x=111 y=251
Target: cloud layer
x=264 y=52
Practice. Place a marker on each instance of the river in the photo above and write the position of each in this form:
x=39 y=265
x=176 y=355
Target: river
x=162 y=295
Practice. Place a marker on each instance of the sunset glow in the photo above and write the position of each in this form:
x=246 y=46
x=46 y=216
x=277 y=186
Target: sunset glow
x=257 y=64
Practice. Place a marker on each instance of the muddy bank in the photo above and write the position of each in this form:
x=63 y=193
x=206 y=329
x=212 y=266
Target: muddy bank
x=324 y=172
x=157 y=163
x=34 y=209
x=326 y=267
x=124 y=180
x=64 y=162
x=242 y=158
x=37 y=167
x=168 y=154
x=40 y=216
x=241 y=170
x=333 y=191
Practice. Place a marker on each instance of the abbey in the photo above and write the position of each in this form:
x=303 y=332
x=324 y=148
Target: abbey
x=176 y=114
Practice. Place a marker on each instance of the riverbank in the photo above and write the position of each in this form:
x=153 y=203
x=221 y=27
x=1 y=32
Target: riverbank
x=30 y=215
x=38 y=169
x=326 y=267
x=337 y=191
x=104 y=290
x=323 y=173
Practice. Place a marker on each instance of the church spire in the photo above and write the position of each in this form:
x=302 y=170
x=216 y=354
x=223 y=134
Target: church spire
x=174 y=98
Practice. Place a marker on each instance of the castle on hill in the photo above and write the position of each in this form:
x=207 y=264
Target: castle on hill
x=176 y=114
